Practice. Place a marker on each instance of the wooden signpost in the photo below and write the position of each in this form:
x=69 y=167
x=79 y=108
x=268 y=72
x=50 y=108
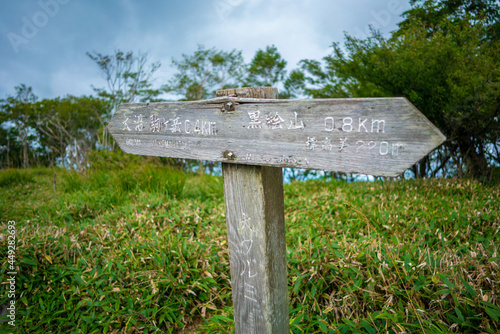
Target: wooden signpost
x=254 y=134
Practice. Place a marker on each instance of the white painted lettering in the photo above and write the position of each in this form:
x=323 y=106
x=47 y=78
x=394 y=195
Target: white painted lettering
x=133 y=142
x=378 y=123
x=384 y=148
x=125 y=122
x=176 y=125
x=205 y=128
x=244 y=223
x=329 y=124
x=327 y=144
x=197 y=128
x=274 y=121
x=296 y=123
x=342 y=144
x=246 y=246
x=249 y=269
x=360 y=144
x=139 y=126
x=362 y=125
x=395 y=149
x=250 y=292
x=311 y=143
x=255 y=122
x=347 y=126
x=154 y=125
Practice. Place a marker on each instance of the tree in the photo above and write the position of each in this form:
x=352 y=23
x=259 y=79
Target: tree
x=10 y=147
x=294 y=84
x=201 y=74
x=41 y=132
x=70 y=124
x=206 y=71
x=450 y=71
x=267 y=68
x=16 y=120
x=128 y=77
x=431 y=13
x=25 y=94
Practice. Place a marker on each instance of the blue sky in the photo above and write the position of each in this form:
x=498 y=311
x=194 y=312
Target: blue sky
x=43 y=43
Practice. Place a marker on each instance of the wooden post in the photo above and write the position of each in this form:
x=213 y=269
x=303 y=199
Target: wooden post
x=256 y=238
x=254 y=135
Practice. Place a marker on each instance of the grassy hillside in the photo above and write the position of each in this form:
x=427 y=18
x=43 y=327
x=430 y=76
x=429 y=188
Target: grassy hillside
x=133 y=247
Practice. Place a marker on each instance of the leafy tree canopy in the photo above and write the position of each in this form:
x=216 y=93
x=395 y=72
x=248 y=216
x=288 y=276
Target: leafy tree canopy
x=267 y=68
x=128 y=77
x=432 y=13
x=39 y=132
x=448 y=69
x=206 y=71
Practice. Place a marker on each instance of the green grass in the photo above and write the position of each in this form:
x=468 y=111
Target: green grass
x=110 y=251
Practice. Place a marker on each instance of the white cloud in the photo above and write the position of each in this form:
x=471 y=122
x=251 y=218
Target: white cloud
x=55 y=64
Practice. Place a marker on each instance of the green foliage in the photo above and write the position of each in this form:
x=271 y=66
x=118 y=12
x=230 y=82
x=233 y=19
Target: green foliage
x=12 y=177
x=206 y=71
x=40 y=132
x=155 y=180
x=108 y=251
x=17 y=115
x=267 y=68
x=71 y=121
x=116 y=160
x=128 y=77
x=387 y=249
x=204 y=188
x=443 y=64
x=110 y=173
x=431 y=13
x=200 y=75
x=294 y=84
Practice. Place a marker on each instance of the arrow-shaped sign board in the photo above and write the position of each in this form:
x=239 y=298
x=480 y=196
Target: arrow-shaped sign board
x=376 y=136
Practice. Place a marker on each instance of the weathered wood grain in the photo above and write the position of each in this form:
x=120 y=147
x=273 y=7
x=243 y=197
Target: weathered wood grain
x=257 y=249
x=256 y=238
x=250 y=92
x=377 y=136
